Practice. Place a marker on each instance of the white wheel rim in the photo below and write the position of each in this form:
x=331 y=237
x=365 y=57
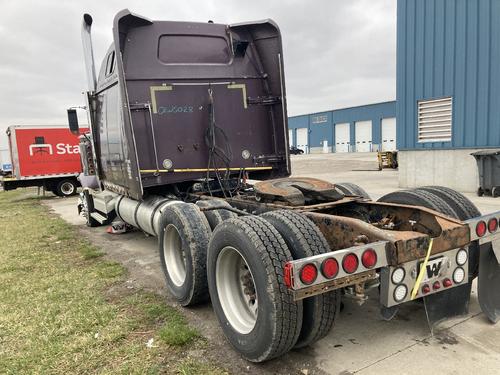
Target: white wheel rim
x=236 y=290
x=67 y=188
x=174 y=256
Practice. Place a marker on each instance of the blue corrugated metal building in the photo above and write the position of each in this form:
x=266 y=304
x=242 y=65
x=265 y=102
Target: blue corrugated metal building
x=447 y=102
x=317 y=132
x=448 y=89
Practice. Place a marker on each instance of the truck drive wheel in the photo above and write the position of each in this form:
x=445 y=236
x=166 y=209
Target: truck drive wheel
x=464 y=209
x=413 y=198
x=348 y=188
x=304 y=239
x=215 y=217
x=462 y=206
x=65 y=188
x=183 y=240
x=453 y=302
x=419 y=198
x=255 y=309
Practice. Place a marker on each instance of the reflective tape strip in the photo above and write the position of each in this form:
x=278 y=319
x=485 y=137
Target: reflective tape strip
x=421 y=274
x=191 y=170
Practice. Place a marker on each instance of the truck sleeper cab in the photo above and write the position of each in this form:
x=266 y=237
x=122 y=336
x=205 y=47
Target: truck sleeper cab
x=182 y=116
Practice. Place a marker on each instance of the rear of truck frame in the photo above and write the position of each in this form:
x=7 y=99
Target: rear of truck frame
x=188 y=142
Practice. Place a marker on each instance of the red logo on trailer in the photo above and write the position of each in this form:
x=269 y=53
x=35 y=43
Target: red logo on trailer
x=47 y=151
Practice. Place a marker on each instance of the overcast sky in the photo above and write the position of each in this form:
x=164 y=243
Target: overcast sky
x=337 y=53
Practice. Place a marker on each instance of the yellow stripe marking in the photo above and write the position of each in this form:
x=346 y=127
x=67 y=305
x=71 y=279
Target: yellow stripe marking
x=243 y=88
x=153 y=90
x=189 y=170
x=423 y=267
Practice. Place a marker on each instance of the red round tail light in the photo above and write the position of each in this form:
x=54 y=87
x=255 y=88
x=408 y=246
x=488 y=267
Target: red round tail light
x=350 y=263
x=330 y=268
x=492 y=225
x=369 y=258
x=426 y=289
x=436 y=285
x=481 y=228
x=447 y=283
x=308 y=273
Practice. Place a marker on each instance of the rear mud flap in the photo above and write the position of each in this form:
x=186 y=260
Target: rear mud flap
x=489 y=282
x=388 y=313
x=447 y=304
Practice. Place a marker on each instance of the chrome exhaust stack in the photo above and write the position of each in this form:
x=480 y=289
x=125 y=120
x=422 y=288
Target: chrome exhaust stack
x=88 y=52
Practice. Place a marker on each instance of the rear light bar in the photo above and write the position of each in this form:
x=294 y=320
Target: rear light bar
x=444 y=271
x=323 y=268
x=484 y=227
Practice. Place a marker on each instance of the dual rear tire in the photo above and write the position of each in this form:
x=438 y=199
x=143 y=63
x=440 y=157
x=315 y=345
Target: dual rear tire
x=304 y=239
x=183 y=240
x=242 y=271
x=446 y=201
x=255 y=310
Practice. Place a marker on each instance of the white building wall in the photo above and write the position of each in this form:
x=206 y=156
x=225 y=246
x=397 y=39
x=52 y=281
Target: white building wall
x=456 y=169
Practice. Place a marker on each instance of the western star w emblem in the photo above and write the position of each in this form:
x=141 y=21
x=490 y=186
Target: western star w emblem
x=433 y=269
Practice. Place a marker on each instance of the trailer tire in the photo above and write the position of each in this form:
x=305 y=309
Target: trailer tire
x=215 y=217
x=304 y=239
x=260 y=319
x=183 y=241
x=464 y=210
x=348 y=188
x=66 y=188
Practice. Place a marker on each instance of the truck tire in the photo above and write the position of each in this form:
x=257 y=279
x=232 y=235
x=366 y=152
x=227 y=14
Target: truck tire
x=215 y=217
x=304 y=239
x=462 y=206
x=413 y=198
x=348 y=188
x=419 y=198
x=430 y=200
x=464 y=210
x=183 y=241
x=255 y=309
x=66 y=188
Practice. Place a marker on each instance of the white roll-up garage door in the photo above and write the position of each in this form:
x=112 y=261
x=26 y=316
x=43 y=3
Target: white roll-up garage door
x=363 y=136
x=290 y=137
x=302 y=139
x=342 y=137
x=389 y=134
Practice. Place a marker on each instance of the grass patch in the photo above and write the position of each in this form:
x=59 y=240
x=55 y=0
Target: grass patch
x=90 y=252
x=176 y=331
x=194 y=367
x=64 y=309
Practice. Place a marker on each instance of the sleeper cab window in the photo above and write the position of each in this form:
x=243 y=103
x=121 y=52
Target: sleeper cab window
x=193 y=49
